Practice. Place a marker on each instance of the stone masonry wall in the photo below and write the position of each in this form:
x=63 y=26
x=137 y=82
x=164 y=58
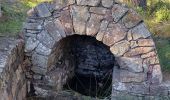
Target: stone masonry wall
x=61 y=66
x=138 y=72
x=114 y=24
x=12 y=77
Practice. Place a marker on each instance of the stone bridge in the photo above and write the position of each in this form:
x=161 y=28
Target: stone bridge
x=42 y=63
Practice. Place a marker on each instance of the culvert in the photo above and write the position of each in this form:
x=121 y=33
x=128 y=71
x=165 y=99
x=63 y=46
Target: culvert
x=93 y=66
x=116 y=26
x=44 y=69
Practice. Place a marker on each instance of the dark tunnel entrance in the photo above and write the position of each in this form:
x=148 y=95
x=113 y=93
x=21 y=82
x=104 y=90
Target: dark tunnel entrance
x=93 y=66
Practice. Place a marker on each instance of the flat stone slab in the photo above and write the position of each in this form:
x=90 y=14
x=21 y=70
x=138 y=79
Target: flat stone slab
x=88 y=2
x=3 y=59
x=43 y=10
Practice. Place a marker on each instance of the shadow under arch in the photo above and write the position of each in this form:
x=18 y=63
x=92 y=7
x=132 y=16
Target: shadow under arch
x=87 y=65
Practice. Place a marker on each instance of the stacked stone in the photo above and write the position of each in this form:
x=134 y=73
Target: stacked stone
x=12 y=78
x=117 y=26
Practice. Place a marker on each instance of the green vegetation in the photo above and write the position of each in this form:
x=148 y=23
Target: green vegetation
x=14 y=15
x=163 y=49
x=12 y=19
x=157 y=18
x=33 y=3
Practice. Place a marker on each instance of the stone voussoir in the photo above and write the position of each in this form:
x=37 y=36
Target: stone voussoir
x=146 y=42
x=46 y=39
x=150 y=54
x=93 y=25
x=67 y=22
x=31 y=44
x=98 y=10
x=131 y=19
x=118 y=12
x=139 y=31
x=43 y=10
x=51 y=28
x=107 y=3
x=114 y=34
x=138 y=51
x=102 y=30
x=60 y=28
x=80 y=16
x=88 y=2
x=120 y=48
x=151 y=60
x=43 y=50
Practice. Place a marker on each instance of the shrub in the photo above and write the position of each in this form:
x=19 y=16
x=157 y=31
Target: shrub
x=13 y=16
x=163 y=14
x=33 y=3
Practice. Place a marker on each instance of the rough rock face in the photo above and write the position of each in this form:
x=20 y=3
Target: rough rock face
x=117 y=26
x=12 y=77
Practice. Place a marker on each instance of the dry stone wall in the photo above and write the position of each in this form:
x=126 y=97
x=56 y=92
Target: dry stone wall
x=12 y=76
x=138 y=72
x=114 y=24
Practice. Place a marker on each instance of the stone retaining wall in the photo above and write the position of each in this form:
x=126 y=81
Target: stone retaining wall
x=12 y=77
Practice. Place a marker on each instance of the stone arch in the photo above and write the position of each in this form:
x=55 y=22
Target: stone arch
x=116 y=25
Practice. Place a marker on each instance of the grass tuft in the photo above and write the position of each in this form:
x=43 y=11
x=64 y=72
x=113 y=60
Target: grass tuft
x=13 y=16
x=163 y=49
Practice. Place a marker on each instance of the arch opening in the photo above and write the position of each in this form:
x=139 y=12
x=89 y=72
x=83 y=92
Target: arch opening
x=114 y=25
x=86 y=65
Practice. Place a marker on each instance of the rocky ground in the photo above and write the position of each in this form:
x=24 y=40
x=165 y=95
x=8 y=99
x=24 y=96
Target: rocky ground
x=66 y=95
